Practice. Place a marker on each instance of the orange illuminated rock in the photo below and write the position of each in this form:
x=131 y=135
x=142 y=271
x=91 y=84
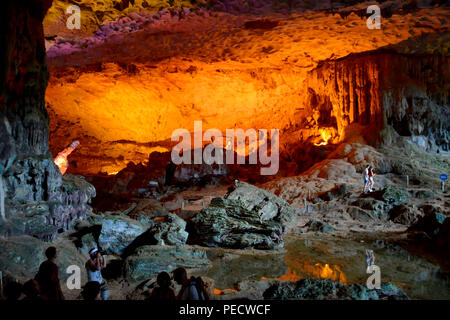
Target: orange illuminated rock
x=131 y=92
x=61 y=159
x=317 y=271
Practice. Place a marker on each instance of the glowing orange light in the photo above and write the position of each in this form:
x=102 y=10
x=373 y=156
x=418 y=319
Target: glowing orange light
x=61 y=159
x=317 y=271
x=221 y=292
x=325 y=136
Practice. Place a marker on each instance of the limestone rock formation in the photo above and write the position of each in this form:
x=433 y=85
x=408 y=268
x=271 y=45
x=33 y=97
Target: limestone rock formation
x=326 y=289
x=172 y=231
x=380 y=89
x=404 y=214
x=22 y=255
x=430 y=223
x=376 y=205
x=118 y=232
x=148 y=261
x=268 y=205
x=246 y=217
x=40 y=202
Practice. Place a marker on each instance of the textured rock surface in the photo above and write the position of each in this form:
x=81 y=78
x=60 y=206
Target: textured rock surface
x=266 y=204
x=386 y=89
x=326 y=289
x=33 y=210
x=40 y=202
x=376 y=205
x=118 y=232
x=171 y=231
x=430 y=223
x=21 y=256
x=148 y=261
x=246 y=217
x=311 y=81
x=404 y=214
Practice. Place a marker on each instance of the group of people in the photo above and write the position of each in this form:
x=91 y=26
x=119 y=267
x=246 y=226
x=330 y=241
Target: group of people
x=369 y=174
x=192 y=288
x=46 y=284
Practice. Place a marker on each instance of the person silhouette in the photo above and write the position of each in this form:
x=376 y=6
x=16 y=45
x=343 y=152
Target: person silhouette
x=163 y=291
x=47 y=277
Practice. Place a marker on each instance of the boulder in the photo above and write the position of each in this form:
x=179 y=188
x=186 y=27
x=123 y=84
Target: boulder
x=326 y=289
x=359 y=214
x=378 y=209
x=318 y=226
x=118 y=232
x=246 y=217
x=404 y=214
x=171 y=231
x=337 y=192
x=376 y=205
x=148 y=261
x=30 y=219
x=227 y=223
x=430 y=223
x=391 y=195
x=266 y=204
x=87 y=242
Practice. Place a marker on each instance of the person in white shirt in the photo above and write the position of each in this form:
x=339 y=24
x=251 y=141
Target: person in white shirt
x=366 y=178
x=94 y=267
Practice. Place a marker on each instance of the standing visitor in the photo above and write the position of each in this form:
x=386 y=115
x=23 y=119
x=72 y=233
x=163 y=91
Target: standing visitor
x=47 y=277
x=371 y=177
x=94 y=267
x=366 y=178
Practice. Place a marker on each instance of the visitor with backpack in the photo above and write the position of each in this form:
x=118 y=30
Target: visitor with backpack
x=191 y=289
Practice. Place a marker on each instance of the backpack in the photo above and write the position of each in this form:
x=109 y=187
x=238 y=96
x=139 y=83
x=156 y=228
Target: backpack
x=200 y=287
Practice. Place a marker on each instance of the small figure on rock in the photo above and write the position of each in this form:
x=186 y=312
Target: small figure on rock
x=366 y=178
x=370 y=259
x=371 y=177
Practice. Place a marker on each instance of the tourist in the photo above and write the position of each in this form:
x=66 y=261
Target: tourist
x=370 y=259
x=191 y=289
x=91 y=291
x=366 y=178
x=47 y=277
x=163 y=291
x=13 y=291
x=31 y=291
x=371 y=176
x=94 y=267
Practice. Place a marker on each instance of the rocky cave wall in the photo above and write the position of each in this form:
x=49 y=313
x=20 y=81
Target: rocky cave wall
x=38 y=200
x=123 y=90
x=385 y=89
x=122 y=116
